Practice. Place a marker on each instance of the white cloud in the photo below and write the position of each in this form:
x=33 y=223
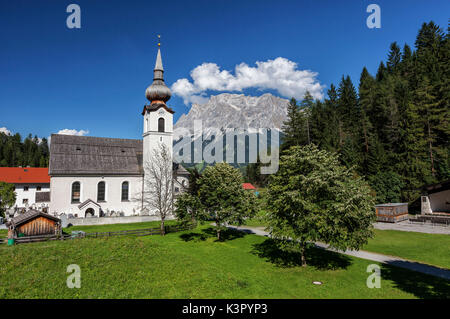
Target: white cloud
x=5 y=130
x=67 y=131
x=279 y=74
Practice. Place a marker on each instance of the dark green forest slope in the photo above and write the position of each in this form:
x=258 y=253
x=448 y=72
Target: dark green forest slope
x=394 y=128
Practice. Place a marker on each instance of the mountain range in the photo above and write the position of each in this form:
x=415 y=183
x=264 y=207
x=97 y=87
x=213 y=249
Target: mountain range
x=237 y=111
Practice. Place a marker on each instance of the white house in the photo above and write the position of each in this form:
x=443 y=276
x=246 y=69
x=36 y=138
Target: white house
x=32 y=186
x=94 y=176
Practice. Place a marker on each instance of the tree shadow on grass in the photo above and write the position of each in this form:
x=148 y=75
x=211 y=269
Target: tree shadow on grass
x=210 y=232
x=420 y=285
x=193 y=237
x=315 y=257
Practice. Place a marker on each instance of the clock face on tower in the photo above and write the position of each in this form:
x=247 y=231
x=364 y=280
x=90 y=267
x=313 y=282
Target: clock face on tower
x=161 y=112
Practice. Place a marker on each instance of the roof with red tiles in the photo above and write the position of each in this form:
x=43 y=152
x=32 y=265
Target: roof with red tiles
x=24 y=175
x=248 y=186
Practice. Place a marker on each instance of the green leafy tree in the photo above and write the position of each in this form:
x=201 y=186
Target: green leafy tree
x=222 y=197
x=187 y=205
x=7 y=197
x=314 y=198
x=188 y=208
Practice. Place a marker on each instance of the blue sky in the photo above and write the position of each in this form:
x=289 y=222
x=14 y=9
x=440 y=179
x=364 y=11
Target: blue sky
x=94 y=78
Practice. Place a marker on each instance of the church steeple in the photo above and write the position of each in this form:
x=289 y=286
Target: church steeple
x=158 y=92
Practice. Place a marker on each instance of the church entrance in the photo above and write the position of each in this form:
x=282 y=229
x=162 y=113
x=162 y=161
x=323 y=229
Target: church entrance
x=90 y=212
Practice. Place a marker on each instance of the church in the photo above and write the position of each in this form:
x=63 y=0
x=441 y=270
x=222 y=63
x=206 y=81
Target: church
x=95 y=177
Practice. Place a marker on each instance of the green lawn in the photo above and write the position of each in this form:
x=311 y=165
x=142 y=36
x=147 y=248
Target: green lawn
x=433 y=249
x=192 y=264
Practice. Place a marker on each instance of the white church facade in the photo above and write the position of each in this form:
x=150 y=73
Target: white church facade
x=94 y=176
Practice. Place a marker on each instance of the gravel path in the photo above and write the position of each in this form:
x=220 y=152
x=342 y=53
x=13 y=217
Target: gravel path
x=384 y=259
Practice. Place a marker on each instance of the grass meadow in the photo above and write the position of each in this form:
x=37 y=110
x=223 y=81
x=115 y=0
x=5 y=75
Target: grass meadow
x=192 y=264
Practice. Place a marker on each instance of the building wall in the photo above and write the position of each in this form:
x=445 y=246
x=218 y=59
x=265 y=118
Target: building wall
x=151 y=137
x=21 y=194
x=440 y=202
x=179 y=187
x=61 y=192
x=38 y=226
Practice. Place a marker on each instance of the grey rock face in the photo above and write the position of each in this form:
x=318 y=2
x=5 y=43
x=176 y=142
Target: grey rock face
x=237 y=111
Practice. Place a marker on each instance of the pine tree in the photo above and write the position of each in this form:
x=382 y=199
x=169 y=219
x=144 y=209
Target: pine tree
x=394 y=58
x=305 y=114
x=291 y=127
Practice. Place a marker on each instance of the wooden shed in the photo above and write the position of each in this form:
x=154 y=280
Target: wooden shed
x=33 y=223
x=392 y=212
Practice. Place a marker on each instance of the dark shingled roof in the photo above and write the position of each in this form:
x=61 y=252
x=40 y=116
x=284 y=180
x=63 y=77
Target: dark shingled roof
x=179 y=169
x=87 y=201
x=42 y=197
x=31 y=214
x=85 y=155
x=155 y=107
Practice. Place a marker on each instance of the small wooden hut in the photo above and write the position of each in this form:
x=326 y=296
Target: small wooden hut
x=33 y=223
x=392 y=212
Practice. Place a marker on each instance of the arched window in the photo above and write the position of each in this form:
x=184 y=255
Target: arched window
x=124 y=191
x=76 y=192
x=101 y=192
x=161 y=124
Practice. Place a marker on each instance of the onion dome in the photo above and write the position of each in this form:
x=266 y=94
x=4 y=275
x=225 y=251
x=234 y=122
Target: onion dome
x=158 y=92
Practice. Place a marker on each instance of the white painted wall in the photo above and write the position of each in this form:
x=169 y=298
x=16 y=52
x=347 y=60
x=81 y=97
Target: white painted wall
x=61 y=192
x=21 y=194
x=440 y=202
x=153 y=120
x=61 y=186
x=151 y=137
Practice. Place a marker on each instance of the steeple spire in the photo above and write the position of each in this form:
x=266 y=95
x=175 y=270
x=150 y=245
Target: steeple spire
x=158 y=64
x=158 y=91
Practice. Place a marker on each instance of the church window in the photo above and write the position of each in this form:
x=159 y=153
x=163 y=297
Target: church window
x=101 y=192
x=161 y=124
x=76 y=192
x=124 y=191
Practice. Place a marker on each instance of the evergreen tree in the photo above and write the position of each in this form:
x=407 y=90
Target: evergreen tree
x=394 y=57
x=292 y=126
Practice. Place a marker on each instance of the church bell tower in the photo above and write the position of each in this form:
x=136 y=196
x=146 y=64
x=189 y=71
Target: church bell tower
x=158 y=117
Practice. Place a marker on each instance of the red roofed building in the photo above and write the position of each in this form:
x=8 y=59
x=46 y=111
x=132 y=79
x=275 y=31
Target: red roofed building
x=32 y=185
x=248 y=186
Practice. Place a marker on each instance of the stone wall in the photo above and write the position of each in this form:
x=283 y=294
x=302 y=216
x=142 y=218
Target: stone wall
x=110 y=220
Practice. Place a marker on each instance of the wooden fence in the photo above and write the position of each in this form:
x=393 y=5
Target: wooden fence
x=134 y=232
